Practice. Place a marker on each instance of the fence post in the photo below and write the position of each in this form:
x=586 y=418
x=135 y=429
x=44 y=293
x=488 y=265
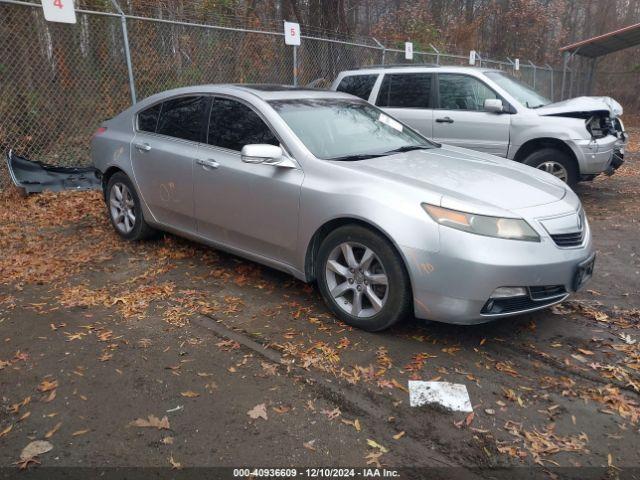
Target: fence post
x=565 y=66
x=127 y=52
x=550 y=68
x=295 y=65
x=437 y=53
x=534 y=72
x=384 y=50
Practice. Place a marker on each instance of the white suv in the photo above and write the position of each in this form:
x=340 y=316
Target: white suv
x=491 y=111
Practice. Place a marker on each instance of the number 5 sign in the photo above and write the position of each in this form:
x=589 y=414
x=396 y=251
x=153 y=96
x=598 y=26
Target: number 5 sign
x=59 y=11
x=291 y=33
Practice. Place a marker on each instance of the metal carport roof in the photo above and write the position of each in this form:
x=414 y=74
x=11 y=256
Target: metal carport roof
x=607 y=43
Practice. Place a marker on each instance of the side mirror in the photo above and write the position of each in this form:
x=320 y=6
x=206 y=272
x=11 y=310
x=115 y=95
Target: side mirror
x=265 y=154
x=260 y=153
x=493 y=105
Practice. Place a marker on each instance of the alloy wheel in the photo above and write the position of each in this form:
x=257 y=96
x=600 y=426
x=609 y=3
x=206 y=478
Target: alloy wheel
x=356 y=279
x=121 y=206
x=556 y=169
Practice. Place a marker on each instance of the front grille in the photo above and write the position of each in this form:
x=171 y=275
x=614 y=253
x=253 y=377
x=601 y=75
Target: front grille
x=538 y=297
x=573 y=239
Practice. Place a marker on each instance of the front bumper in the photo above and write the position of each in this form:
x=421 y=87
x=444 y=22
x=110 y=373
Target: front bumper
x=594 y=155
x=454 y=284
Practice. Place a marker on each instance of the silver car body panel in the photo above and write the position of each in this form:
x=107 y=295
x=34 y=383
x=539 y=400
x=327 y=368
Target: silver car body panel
x=271 y=214
x=504 y=134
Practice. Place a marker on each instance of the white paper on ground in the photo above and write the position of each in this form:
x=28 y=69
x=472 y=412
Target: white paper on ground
x=453 y=396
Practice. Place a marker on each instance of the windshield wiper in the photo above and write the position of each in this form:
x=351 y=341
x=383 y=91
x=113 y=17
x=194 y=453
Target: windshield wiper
x=409 y=148
x=361 y=156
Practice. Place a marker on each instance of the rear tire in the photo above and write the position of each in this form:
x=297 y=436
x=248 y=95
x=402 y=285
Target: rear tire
x=555 y=162
x=125 y=211
x=362 y=278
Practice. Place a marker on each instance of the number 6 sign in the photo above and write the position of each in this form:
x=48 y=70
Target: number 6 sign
x=291 y=33
x=59 y=11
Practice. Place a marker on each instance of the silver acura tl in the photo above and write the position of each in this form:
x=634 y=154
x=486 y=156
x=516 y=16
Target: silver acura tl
x=332 y=190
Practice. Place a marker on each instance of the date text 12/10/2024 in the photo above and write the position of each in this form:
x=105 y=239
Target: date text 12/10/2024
x=315 y=473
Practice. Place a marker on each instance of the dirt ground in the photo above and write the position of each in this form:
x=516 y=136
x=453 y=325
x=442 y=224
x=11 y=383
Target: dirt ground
x=171 y=354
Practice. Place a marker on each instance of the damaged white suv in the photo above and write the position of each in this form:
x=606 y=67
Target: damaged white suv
x=492 y=112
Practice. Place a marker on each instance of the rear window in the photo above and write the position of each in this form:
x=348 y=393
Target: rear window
x=148 y=119
x=405 y=90
x=182 y=118
x=358 y=85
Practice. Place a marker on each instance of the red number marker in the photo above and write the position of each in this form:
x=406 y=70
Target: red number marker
x=57 y=3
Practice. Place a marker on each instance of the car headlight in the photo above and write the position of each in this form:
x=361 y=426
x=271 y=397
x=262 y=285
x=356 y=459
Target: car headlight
x=509 y=228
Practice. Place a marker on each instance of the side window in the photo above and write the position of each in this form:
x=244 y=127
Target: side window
x=233 y=125
x=462 y=92
x=405 y=90
x=182 y=118
x=358 y=85
x=148 y=119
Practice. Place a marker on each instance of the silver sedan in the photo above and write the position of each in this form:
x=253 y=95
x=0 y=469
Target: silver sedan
x=332 y=190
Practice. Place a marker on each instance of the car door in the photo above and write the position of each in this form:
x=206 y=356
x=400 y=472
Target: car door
x=253 y=207
x=163 y=150
x=408 y=97
x=460 y=118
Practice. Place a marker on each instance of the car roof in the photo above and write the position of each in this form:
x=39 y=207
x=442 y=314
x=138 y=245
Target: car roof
x=410 y=68
x=264 y=91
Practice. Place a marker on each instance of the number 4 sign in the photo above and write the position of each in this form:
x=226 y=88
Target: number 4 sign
x=59 y=11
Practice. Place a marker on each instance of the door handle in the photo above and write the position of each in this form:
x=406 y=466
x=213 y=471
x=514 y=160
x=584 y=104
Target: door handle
x=210 y=163
x=143 y=147
x=444 y=120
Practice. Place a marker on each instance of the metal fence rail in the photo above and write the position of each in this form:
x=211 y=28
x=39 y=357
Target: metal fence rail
x=59 y=81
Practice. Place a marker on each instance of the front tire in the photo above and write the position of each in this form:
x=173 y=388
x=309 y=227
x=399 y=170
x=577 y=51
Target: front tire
x=555 y=162
x=125 y=211
x=362 y=278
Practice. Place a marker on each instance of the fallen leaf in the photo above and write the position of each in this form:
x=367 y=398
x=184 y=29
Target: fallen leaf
x=35 y=448
x=374 y=458
x=354 y=423
x=398 y=436
x=50 y=397
x=51 y=432
x=469 y=419
x=259 y=411
x=6 y=430
x=269 y=368
x=152 y=421
x=25 y=416
x=190 y=394
x=309 y=445
x=77 y=433
x=47 y=385
x=374 y=444
x=399 y=386
x=174 y=465
x=281 y=409
x=332 y=414
x=167 y=440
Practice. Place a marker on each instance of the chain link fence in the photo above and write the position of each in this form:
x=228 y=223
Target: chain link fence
x=58 y=82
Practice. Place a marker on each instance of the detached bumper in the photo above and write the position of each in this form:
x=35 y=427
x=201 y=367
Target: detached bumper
x=455 y=284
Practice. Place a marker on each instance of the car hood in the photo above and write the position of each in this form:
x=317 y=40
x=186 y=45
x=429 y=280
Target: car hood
x=468 y=180
x=581 y=105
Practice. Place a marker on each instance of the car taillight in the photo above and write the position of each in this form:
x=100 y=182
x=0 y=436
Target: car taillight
x=99 y=131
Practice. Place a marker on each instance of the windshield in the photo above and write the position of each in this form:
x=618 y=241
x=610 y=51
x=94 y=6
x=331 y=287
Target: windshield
x=339 y=129
x=526 y=95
